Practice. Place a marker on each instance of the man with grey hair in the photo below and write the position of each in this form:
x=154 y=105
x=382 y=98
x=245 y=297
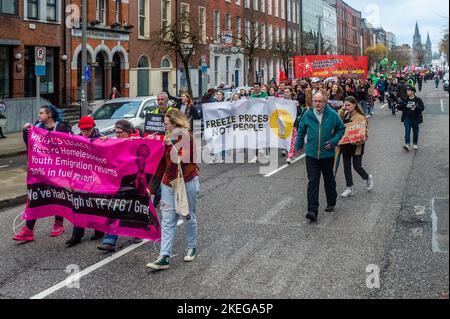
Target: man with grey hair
x=163 y=103
x=324 y=129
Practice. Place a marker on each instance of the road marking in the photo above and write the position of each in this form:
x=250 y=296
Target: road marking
x=92 y=268
x=434 y=237
x=285 y=166
x=442 y=106
x=383 y=106
x=87 y=271
x=4 y=166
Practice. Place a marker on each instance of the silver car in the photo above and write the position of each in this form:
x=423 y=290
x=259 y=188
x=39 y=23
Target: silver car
x=131 y=109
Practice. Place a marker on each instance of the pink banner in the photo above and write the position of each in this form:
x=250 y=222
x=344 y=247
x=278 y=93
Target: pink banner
x=93 y=184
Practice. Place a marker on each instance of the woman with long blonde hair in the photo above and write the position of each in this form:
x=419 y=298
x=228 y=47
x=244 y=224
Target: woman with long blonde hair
x=177 y=133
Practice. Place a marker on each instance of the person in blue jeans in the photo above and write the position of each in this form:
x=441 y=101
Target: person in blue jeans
x=178 y=141
x=123 y=129
x=412 y=117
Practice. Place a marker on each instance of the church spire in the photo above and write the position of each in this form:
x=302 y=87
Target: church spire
x=428 y=40
x=417 y=32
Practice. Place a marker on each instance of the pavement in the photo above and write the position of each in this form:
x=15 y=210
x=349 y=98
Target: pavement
x=254 y=241
x=13 y=145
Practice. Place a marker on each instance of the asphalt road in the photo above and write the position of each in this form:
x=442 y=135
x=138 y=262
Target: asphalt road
x=254 y=241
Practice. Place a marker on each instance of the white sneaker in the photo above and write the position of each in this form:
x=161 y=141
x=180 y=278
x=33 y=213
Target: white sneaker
x=370 y=183
x=407 y=147
x=347 y=193
x=219 y=161
x=254 y=160
x=415 y=147
x=289 y=161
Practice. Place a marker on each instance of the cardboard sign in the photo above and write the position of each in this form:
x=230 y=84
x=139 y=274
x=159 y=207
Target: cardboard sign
x=154 y=124
x=355 y=132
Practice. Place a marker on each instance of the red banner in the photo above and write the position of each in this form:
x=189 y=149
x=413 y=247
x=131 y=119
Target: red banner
x=324 y=66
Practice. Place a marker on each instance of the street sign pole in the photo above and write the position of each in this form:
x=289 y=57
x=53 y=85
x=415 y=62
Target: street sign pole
x=38 y=91
x=84 y=106
x=40 y=56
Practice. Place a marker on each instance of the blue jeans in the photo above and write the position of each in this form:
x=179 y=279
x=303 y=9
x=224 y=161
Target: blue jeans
x=414 y=125
x=366 y=107
x=110 y=239
x=170 y=217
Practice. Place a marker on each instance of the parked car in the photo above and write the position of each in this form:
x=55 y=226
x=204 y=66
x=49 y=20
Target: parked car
x=131 y=109
x=446 y=80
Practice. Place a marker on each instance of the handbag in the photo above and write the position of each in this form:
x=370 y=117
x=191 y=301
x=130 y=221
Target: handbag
x=179 y=191
x=376 y=93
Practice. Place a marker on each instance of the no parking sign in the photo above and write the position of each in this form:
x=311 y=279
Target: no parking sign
x=40 y=56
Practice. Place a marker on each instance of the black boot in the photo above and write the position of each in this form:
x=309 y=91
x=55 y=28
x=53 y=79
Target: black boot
x=73 y=241
x=97 y=235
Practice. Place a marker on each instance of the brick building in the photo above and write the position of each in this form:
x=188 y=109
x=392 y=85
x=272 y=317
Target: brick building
x=277 y=23
x=348 y=28
x=152 y=68
x=108 y=37
x=25 y=25
x=367 y=35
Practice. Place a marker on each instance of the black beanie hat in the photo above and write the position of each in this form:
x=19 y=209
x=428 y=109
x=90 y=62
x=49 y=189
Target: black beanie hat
x=125 y=125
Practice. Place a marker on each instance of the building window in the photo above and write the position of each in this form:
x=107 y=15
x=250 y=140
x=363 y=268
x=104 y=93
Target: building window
x=202 y=23
x=118 y=11
x=216 y=25
x=185 y=15
x=101 y=11
x=165 y=17
x=228 y=22
x=32 y=9
x=8 y=7
x=48 y=81
x=238 y=31
x=51 y=10
x=143 y=19
x=216 y=70
x=5 y=71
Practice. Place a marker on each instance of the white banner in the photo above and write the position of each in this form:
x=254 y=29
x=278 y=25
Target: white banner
x=249 y=123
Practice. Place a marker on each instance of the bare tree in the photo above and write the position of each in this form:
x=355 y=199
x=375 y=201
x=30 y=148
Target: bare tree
x=183 y=37
x=249 y=42
x=286 y=49
x=309 y=43
x=328 y=48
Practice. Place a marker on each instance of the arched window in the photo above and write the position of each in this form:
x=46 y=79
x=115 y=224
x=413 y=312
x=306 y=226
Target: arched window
x=143 y=62
x=165 y=63
x=143 y=87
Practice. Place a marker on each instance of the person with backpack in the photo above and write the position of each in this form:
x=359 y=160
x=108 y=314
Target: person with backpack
x=412 y=117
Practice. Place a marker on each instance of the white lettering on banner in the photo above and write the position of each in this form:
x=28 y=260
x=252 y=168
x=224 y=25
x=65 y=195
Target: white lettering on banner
x=251 y=124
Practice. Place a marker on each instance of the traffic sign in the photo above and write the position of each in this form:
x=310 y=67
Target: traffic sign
x=40 y=54
x=87 y=73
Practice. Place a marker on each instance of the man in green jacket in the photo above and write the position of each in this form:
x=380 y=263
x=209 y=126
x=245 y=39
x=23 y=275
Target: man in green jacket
x=324 y=129
x=258 y=92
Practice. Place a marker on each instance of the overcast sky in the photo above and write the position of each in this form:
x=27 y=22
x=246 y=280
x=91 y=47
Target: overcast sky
x=399 y=17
